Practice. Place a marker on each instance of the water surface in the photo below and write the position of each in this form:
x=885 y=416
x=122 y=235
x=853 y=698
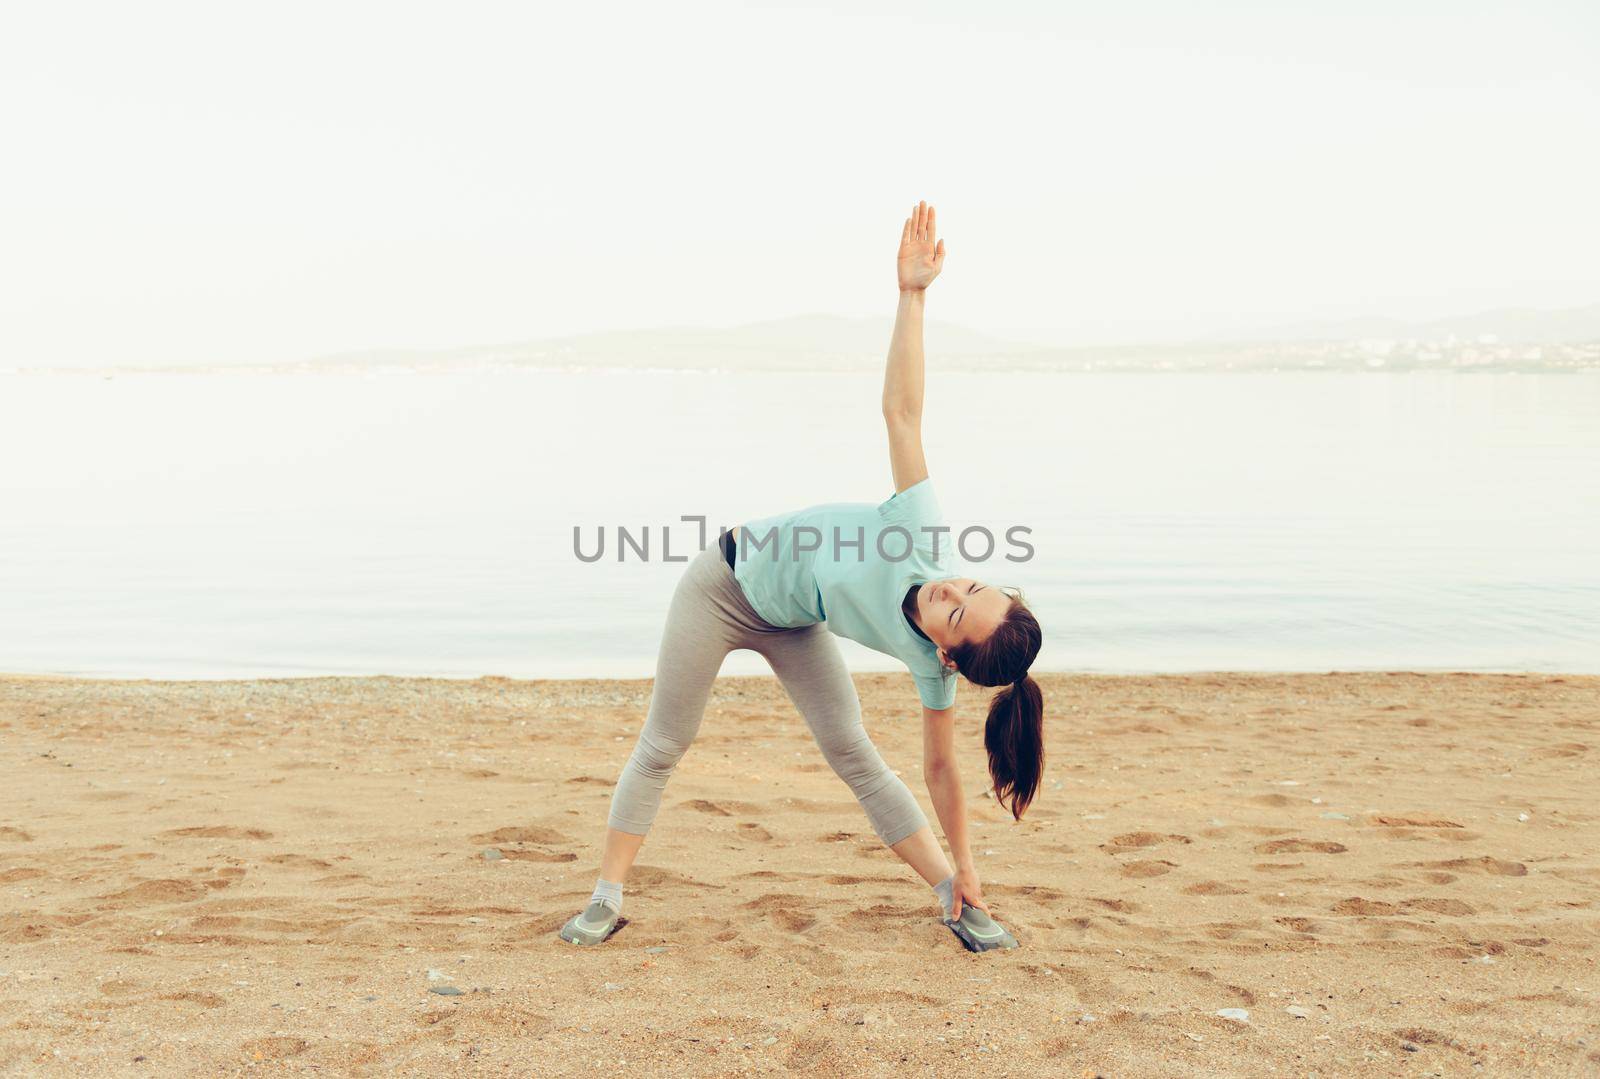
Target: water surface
x=226 y=525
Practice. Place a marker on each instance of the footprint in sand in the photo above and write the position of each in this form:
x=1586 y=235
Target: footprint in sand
x=1423 y=1036
x=1042 y=892
x=1121 y=906
x=1244 y=995
x=1139 y=840
x=1390 y=821
x=509 y=842
x=1485 y=864
x=875 y=851
x=298 y=861
x=1300 y=846
x=528 y=855
x=1151 y=868
x=14 y=835
x=1212 y=887
x=722 y=809
x=216 y=831
x=846 y=878
x=755 y=831
x=156 y=892
x=882 y=916
x=1299 y=925
x=340 y=880
x=531 y=833
x=788 y=912
x=651 y=876
x=194 y=996
x=1453 y=907
x=1376 y=908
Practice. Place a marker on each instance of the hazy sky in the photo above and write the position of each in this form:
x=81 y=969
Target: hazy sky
x=217 y=182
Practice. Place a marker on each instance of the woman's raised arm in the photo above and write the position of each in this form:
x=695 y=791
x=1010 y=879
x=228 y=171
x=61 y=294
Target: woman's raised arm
x=920 y=259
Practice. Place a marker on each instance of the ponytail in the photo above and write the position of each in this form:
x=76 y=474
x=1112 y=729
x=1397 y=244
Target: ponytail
x=1014 y=737
x=1014 y=731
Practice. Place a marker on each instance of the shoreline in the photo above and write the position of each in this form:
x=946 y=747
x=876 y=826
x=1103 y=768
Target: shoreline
x=1242 y=672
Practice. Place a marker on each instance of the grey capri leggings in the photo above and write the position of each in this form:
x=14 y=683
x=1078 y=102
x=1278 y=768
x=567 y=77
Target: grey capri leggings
x=709 y=617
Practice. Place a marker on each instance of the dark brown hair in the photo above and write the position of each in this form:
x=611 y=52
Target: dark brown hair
x=1014 y=731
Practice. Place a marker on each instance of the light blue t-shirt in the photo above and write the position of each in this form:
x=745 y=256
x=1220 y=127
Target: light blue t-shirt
x=850 y=564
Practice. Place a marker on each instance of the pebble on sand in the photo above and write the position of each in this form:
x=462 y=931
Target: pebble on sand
x=446 y=990
x=492 y=855
x=1238 y=1015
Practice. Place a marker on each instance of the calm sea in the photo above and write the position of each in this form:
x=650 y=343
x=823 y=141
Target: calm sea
x=220 y=525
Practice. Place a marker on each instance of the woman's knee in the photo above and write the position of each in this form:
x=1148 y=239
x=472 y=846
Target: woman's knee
x=854 y=758
x=658 y=754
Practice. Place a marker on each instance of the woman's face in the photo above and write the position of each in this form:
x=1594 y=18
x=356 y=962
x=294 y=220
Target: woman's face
x=958 y=610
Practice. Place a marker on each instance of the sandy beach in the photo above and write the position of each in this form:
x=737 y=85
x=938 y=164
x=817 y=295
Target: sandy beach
x=1388 y=874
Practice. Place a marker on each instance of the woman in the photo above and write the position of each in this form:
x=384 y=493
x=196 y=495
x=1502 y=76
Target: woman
x=877 y=574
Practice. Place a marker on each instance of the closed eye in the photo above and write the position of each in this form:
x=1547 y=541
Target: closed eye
x=954 y=618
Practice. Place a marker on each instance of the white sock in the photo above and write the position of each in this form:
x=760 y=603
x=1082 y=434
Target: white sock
x=608 y=893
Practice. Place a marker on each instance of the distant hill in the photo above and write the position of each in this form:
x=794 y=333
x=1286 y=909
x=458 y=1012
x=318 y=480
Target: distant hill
x=1513 y=324
x=1526 y=339
x=800 y=342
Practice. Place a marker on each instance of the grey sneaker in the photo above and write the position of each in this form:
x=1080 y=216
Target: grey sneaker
x=596 y=922
x=979 y=932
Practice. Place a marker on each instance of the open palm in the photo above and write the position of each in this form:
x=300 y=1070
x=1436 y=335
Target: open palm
x=921 y=254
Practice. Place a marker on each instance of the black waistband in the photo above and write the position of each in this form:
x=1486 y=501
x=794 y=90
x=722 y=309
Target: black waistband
x=728 y=548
